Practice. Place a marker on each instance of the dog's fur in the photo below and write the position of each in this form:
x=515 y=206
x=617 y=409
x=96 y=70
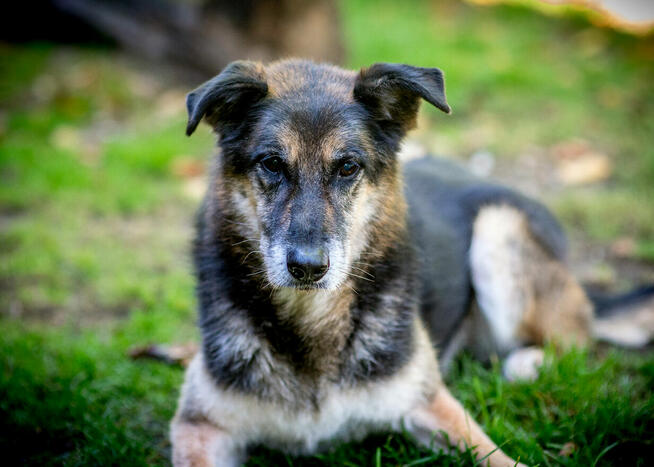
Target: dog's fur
x=308 y=162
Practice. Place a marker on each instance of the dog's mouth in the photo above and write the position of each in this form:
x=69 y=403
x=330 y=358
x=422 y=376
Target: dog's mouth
x=290 y=281
x=307 y=285
x=285 y=279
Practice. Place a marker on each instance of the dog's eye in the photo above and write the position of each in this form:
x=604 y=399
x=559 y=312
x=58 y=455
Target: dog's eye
x=273 y=164
x=348 y=168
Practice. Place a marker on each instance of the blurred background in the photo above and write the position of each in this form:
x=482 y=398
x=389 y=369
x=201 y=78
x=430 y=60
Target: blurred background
x=98 y=184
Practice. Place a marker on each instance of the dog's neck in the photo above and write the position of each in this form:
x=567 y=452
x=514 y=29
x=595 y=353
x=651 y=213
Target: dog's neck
x=313 y=308
x=321 y=317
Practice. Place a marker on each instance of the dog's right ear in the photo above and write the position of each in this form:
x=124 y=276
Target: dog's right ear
x=391 y=93
x=227 y=96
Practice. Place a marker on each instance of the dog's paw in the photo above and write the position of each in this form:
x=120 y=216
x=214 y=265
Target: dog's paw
x=523 y=364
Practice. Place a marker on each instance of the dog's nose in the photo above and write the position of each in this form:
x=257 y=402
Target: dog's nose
x=307 y=264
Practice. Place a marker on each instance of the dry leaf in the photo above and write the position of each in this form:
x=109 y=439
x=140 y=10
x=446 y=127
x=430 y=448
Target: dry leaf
x=178 y=354
x=187 y=167
x=571 y=149
x=567 y=449
x=591 y=167
x=623 y=247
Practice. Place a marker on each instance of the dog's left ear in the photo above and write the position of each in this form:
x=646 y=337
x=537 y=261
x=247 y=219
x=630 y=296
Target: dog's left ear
x=227 y=96
x=392 y=92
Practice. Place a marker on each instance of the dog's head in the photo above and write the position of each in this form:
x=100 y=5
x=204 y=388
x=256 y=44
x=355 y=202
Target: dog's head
x=308 y=161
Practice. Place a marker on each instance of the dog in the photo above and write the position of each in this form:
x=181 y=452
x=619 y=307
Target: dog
x=328 y=274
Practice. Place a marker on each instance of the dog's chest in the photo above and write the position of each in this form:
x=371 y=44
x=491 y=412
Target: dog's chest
x=340 y=413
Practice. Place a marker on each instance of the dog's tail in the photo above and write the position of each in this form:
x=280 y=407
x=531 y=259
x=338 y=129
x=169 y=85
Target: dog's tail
x=626 y=319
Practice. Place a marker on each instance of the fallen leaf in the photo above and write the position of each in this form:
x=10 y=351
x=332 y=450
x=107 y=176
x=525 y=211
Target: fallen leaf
x=567 y=449
x=187 y=167
x=591 y=167
x=178 y=354
x=571 y=149
x=623 y=247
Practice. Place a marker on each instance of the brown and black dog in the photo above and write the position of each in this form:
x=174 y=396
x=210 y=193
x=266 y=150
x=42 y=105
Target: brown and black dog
x=328 y=274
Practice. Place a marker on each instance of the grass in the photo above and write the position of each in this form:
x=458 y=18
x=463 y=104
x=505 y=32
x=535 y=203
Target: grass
x=95 y=216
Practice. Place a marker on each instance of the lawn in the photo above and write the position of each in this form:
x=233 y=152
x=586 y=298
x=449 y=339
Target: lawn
x=98 y=186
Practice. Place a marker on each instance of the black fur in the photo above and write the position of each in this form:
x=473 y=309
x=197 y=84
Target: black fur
x=226 y=97
x=608 y=304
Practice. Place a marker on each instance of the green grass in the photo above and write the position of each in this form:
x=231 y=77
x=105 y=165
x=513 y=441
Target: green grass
x=79 y=401
x=95 y=223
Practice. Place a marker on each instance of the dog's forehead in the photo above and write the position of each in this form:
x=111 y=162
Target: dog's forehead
x=305 y=79
x=310 y=110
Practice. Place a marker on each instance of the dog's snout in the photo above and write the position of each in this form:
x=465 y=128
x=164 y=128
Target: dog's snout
x=307 y=264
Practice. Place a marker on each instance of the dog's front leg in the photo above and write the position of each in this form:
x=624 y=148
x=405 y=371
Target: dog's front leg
x=201 y=444
x=445 y=414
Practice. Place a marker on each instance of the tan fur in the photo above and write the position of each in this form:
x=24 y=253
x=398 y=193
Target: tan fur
x=446 y=414
x=415 y=398
x=389 y=219
x=293 y=144
x=322 y=317
x=287 y=77
x=513 y=271
x=560 y=311
x=201 y=444
x=441 y=412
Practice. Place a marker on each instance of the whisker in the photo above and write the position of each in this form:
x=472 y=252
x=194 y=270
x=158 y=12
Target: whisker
x=351 y=288
x=255 y=273
x=246 y=256
x=242 y=224
x=351 y=274
x=244 y=241
x=363 y=271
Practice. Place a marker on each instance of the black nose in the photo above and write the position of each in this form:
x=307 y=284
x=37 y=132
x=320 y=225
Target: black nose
x=307 y=264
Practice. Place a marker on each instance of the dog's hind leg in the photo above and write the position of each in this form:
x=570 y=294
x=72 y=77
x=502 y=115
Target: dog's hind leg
x=524 y=294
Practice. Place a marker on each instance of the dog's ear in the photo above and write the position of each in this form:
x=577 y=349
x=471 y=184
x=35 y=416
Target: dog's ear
x=392 y=92
x=226 y=96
